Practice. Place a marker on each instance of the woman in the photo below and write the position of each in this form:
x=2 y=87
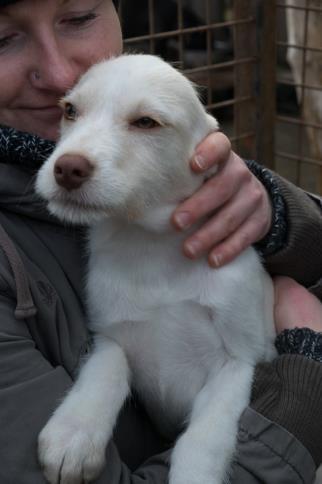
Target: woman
x=45 y=45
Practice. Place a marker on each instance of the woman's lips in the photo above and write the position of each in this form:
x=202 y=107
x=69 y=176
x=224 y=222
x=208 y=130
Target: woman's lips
x=50 y=113
x=46 y=111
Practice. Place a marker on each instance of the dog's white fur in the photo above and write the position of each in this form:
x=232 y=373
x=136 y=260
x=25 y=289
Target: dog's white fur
x=185 y=336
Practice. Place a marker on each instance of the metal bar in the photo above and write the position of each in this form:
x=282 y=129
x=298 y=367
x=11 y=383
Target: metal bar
x=281 y=43
x=297 y=7
x=305 y=159
x=209 y=54
x=232 y=102
x=294 y=84
x=244 y=37
x=285 y=119
x=266 y=82
x=303 y=77
x=181 y=29
x=221 y=65
x=191 y=30
x=233 y=139
x=151 y=26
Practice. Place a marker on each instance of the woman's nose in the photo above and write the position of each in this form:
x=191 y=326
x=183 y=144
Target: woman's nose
x=55 y=69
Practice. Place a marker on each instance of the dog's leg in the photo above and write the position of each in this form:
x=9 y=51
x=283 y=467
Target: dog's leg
x=72 y=444
x=203 y=453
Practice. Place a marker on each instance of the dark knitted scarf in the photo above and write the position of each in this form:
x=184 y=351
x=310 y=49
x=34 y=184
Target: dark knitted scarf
x=24 y=149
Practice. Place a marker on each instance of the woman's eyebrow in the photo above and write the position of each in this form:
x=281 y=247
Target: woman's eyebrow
x=62 y=3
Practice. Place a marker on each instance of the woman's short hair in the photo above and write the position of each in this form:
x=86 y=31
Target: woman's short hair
x=5 y=3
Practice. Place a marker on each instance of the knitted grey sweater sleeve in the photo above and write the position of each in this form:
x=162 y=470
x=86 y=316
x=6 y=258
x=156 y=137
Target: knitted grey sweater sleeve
x=276 y=238
x=296 y=233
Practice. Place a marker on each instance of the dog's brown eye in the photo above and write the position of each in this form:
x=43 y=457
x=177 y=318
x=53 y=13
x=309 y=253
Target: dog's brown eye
x=145 y=123
x=70 y=112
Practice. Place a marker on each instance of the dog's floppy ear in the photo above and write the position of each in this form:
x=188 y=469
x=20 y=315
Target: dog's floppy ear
x=212 y=122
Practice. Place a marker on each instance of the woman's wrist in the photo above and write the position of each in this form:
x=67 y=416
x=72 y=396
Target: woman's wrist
x=276 y=237
x=300 y=341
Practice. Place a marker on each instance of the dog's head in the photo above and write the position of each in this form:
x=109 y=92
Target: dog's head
x=130 y=127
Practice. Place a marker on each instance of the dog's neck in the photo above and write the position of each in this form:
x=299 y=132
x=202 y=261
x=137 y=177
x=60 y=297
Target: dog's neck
x=157 y=219
x=153 y=236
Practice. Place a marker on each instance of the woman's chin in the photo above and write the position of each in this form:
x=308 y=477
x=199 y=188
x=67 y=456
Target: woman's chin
x=45 y=131
x=50 y=133
x=35 y=122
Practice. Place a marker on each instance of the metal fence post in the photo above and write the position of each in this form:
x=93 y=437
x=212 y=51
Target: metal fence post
x=266 y=82
x=244 y=36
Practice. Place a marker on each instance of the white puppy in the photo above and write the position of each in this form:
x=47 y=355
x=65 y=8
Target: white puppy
x=185 y=336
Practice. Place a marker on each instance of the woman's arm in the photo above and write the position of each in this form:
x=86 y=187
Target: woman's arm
x=280 y=434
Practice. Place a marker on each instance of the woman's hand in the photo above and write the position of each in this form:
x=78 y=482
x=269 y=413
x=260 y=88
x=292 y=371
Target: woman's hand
x=295 y=306
x=236 y=204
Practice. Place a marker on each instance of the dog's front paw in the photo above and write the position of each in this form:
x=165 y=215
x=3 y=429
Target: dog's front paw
x=194 y=463
x=191 y=474
x=69 y=452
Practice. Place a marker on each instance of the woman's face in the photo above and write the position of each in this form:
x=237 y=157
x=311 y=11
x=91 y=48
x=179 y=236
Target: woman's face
x=45 y=46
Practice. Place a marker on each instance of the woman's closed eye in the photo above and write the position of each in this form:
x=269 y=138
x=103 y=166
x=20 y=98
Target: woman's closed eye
x=80 y=20
x=7 y=41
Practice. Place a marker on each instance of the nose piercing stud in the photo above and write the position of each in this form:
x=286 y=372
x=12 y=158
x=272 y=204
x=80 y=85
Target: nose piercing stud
x=36 y=75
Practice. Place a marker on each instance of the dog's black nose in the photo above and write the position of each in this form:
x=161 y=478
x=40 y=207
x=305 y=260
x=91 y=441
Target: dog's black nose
x=72 y=170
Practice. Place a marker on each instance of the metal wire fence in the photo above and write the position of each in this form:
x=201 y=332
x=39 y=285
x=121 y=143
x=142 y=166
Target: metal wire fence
x=244 y=58
x=301 y=158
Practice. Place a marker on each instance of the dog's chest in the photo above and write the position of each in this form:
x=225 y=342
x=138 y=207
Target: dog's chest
x=170 y=358
x=150 y=307
x=132 y=276
x=176 y=321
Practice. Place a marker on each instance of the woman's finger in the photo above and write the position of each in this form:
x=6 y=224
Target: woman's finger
x=233 y=245
x=221 y=225
x=214 y=193
x=213 y=150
